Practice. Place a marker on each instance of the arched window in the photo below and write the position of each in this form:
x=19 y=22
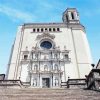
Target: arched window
x=46 y=45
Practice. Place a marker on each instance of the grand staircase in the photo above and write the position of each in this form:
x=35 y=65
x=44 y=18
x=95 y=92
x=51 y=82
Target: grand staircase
x=48 y=94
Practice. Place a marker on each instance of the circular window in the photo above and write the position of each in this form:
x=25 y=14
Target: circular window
x=46 y=44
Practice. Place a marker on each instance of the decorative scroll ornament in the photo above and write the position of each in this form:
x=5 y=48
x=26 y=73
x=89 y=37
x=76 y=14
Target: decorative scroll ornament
x=46 y=35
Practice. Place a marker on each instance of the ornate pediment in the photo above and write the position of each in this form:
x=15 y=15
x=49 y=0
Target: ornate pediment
x=46 y=35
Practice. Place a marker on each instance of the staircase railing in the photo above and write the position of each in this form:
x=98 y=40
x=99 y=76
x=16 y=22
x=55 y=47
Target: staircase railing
x=76 y=82
x=63 y=84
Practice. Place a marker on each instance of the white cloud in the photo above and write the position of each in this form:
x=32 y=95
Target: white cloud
x=15 y=14
x=32 y=10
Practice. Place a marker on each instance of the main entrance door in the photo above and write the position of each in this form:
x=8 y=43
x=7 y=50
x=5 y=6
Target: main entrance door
x=45 y=82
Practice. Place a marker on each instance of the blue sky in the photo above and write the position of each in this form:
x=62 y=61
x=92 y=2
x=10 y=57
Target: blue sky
x=17 y=12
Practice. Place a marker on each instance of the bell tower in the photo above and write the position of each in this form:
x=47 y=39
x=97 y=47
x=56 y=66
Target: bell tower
x=70 y=16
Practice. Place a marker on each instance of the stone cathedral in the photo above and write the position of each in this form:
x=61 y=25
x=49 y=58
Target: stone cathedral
x=44 y=54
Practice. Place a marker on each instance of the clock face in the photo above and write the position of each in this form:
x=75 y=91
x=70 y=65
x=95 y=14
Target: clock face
x=46 y=45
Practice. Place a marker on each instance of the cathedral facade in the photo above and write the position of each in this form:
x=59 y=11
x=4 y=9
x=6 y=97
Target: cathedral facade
x=44 y=54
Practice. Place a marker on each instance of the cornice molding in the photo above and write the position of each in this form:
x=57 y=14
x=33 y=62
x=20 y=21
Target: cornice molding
x=55 y=25
x=46 y=35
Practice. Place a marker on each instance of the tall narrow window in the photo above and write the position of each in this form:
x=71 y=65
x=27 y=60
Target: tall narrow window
x=38 y=30
x=72 y=14
x=50 y=29
x=54 y=29
x=41 y=29
x=67 y=17
x=58 y=29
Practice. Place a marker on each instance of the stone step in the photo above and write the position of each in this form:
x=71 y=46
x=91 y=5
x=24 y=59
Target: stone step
x=48 y=94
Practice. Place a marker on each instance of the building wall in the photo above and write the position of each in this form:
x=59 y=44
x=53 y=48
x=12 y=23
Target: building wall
x=74 y=40
x=71 y=38
x=15 y=55
x=83 y=55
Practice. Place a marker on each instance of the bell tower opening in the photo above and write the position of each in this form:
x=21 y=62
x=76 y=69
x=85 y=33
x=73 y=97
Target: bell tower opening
x=71 y=16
